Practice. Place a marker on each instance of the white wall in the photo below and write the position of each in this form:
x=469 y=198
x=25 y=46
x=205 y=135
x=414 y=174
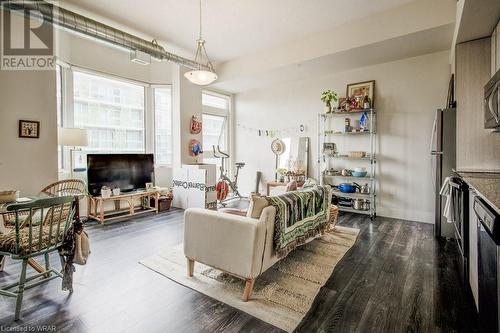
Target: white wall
x=407 y=93
x=187 y=101
x=27 y=164
x=88 y=53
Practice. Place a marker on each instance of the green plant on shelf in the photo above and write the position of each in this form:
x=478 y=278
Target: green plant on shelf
x=327 y=97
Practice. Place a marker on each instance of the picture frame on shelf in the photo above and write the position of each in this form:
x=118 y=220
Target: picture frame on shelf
x=29 y=129
x=359 y=90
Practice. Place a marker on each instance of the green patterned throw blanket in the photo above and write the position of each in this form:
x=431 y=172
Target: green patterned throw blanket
x=300 y=215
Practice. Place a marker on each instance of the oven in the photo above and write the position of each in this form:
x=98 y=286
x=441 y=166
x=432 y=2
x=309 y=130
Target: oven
x=488 y=243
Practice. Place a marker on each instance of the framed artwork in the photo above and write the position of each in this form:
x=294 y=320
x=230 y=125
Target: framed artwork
x=360 y=90
x=29 y=129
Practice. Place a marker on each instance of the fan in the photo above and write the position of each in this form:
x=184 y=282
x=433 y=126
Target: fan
x=278 y=147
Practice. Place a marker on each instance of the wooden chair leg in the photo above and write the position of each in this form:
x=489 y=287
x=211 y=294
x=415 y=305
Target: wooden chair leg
x=36 y=266
x=248 y=289
x=190 y=267
x=20 y=291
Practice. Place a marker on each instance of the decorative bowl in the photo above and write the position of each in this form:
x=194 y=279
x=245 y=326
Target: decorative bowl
x=359 y=173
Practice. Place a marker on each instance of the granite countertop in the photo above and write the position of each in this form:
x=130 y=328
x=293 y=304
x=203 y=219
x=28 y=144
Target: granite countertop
x=486 y=184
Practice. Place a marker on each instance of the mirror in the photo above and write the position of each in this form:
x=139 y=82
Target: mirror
x=295 y=156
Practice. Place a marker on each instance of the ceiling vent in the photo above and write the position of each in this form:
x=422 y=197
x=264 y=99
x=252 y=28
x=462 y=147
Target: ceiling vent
x=139 y=57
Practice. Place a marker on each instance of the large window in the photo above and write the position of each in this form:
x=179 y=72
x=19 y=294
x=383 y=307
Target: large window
x=112 y=111
x=120 y=115
x=216 y=116
x=163 y=125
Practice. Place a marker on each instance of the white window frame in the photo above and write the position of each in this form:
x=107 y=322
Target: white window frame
x=149 y=108
x=153 y=110
x=208 y=152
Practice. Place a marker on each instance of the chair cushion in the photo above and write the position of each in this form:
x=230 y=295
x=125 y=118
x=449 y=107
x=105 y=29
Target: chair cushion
x=8 y=240
x=257 y=204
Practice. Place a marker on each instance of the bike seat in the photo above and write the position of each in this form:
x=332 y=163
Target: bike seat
x=239 y=164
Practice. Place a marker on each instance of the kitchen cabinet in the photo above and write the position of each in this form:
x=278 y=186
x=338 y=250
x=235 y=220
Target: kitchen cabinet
x=495 y=50
x=497 y=44
x=473 y=255
x=477 y=148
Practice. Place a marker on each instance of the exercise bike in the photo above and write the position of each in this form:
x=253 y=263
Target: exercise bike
x=225 y=184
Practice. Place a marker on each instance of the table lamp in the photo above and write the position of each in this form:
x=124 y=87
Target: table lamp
x=73 y=138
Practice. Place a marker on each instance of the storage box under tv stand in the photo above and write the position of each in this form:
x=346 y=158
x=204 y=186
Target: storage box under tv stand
x=96 y=209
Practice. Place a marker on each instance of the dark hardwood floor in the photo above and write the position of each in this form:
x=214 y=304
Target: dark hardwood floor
x=396 y=278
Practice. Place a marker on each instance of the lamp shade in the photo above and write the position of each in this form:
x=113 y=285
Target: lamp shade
x=73 y=137
x=201 y=77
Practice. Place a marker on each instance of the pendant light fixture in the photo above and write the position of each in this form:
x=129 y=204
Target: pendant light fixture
x=204 y=74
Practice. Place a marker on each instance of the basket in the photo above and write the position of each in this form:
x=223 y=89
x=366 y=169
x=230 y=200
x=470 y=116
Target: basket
x=334 y=213
x=356 y=154
x=8 y=196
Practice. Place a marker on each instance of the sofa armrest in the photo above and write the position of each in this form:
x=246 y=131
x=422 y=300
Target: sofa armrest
x=228 y=242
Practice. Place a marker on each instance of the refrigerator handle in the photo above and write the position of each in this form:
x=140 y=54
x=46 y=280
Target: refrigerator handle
x=433 y=134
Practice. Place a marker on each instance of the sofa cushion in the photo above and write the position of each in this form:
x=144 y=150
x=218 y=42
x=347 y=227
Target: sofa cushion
x=234 y=211
x=291 y=186
x=257 y=204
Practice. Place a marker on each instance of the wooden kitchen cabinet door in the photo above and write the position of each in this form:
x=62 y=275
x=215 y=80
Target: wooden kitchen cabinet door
x=497 y=48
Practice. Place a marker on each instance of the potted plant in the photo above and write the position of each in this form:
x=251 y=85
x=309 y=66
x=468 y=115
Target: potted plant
x=327 y=97
x=281 y=173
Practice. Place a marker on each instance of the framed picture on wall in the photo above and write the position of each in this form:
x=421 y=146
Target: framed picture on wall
x=29 y=129
x=361 y=89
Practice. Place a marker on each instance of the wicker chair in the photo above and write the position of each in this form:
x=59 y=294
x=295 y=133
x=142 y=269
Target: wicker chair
x=66 y=187
x=73 y=187
x=43 y=231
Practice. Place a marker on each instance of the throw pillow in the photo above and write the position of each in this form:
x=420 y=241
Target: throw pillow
x=257 y=205
x=291 y=186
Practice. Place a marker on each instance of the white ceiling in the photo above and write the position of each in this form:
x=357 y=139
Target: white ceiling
x=234 y=28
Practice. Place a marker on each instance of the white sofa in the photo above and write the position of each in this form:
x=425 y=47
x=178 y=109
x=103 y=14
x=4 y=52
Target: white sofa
x=239 y=245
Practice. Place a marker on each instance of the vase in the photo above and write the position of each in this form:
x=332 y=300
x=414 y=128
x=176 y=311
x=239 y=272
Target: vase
x=327 y=109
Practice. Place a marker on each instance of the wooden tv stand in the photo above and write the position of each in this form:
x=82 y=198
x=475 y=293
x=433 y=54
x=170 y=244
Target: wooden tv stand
x=96 y=205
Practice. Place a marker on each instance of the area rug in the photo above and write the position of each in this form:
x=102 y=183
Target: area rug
x=282 y=295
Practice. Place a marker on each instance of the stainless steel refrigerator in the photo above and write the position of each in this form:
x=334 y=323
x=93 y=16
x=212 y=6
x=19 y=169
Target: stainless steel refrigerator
x=443 y=156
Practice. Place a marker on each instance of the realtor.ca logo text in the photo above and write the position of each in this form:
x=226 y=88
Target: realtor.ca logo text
x=27 y=36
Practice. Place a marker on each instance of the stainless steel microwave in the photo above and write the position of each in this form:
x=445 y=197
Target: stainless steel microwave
x=492 y=102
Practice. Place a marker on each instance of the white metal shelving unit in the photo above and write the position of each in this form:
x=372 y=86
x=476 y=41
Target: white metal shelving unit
x=328 y=161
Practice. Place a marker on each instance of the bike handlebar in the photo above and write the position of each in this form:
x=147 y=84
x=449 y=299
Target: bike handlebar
x=220 y=152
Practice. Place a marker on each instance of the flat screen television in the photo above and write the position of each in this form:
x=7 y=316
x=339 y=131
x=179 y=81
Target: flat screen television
x=129 y=172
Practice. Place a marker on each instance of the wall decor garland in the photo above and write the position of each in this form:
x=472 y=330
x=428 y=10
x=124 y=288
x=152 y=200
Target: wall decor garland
x=274 y=132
